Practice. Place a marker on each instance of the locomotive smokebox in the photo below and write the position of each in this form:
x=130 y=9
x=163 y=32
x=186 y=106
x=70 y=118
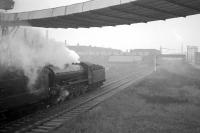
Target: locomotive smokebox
x=41 y=83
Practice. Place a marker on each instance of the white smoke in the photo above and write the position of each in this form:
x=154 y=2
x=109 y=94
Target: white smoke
x=31 y=51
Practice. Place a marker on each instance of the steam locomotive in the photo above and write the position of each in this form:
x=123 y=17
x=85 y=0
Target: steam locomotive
x=53 y=84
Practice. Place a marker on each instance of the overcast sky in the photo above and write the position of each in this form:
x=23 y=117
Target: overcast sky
x=168 y=34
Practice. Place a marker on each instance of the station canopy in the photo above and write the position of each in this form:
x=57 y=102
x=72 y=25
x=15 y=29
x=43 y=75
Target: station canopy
x=98 y=13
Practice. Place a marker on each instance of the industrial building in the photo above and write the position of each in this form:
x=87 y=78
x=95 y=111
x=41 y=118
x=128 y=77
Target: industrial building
x=90 y=50
x=191 y=50
x=145 y=52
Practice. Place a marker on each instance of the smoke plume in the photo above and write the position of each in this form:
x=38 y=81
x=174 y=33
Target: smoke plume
x=29 y=51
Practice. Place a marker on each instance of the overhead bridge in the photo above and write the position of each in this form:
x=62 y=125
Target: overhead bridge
x=98 y=13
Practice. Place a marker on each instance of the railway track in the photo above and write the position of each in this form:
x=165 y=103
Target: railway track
x=52 y=118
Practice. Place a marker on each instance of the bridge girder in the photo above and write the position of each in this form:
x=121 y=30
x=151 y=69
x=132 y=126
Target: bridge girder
x=98 y=13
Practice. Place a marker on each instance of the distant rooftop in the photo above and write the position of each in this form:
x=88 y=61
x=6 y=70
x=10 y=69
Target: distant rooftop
x=145 y=50
x=173 y=55
x=91 y=48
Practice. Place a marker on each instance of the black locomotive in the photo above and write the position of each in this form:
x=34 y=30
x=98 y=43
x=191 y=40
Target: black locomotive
x=52 y=84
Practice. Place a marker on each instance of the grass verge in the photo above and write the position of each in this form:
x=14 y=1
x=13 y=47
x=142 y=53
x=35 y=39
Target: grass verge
x=164 y=102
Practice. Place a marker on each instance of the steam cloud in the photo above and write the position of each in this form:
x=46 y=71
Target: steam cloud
x=30 y=52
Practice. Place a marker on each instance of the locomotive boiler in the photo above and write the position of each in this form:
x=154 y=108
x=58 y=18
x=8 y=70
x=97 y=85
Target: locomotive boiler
x=53 y=85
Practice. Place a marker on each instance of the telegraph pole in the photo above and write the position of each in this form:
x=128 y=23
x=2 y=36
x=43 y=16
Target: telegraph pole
x=182 y=48
x=160 y=49
x=155 y=63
